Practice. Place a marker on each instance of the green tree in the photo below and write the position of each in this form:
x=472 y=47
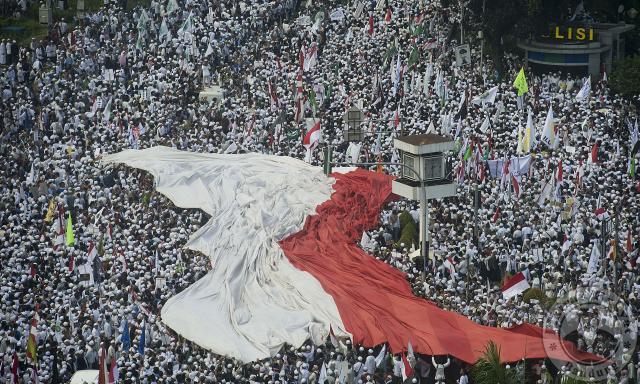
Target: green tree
x=625 y=78
x=489 y=370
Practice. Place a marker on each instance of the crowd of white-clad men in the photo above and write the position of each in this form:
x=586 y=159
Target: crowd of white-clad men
x=120 y=79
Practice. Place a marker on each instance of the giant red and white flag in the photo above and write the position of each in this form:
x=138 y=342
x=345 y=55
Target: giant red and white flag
x=515 y=286
x=281 y=233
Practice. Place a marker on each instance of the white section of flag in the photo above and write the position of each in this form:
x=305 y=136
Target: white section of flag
x=244 y=307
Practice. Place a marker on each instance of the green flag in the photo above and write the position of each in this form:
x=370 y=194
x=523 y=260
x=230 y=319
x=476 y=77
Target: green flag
x=520 y=83
x=139 y=42
x=632 y=167
x=293 y=134
x=414 y=57
x=457 y=145
x=69 y=234
x=312 y=101
x=391 y=51
x=468 y=152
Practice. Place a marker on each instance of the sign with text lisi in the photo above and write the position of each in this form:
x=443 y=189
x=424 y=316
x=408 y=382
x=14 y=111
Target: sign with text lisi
x=573 y=33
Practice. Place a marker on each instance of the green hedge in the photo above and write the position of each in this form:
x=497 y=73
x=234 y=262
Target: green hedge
x=408 y=230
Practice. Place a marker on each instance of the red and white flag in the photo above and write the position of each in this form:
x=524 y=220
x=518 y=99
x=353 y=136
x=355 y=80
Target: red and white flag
x=301 y=55
x=311 y=56
x=387 y=17
x=601 y=213
x=449 y=265
x=593 y=159
x=311 y=140
x=370 y=25
x=496 y=215
x=273 y=95
x=299 y=269
x=517 y=191
x=14 y=368
x=515 y=286
x=92 y=252
x=559 y=175
x=406 y=369
x=113 y=371
x=103 y=374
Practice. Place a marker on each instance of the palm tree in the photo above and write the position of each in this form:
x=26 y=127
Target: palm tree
x=489 y=370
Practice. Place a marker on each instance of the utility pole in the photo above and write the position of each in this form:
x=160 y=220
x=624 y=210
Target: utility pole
x=476 y=240
x=616 y=229
x=328 y=152
x=484 y=2
x=424 y=226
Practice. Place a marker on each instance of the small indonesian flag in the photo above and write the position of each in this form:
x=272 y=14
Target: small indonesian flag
x=515 y=286
x=92 y=252
x=312 y=138
x=601 y=213
x=516 y=186
x=629 y=241
x=559 y=172
x=407 y=371
x=371 y=25
x=113 y=371
x=496 y=215
x=103 y=374
x=301 y=55
x=594 y=153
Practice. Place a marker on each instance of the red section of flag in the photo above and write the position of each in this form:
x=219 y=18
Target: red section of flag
x=375 y=301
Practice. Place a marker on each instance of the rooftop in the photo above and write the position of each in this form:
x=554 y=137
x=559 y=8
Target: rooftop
x=425 y=139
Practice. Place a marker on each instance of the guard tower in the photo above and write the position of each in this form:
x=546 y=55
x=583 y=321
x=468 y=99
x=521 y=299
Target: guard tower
x=426 y=166
x=426 y=174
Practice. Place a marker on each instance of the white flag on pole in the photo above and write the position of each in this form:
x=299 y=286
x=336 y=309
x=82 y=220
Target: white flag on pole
x=585 y=90
x=594 y=260
x=548 y=135
x=489 y=96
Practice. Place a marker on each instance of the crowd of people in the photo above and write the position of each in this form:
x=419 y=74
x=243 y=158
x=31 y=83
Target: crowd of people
x=130 y=78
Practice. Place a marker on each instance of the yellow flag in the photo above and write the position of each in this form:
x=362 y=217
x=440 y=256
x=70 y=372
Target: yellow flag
x=50 y=211
x=521 y=83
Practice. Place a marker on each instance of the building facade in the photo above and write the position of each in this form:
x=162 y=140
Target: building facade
x=581 y=49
